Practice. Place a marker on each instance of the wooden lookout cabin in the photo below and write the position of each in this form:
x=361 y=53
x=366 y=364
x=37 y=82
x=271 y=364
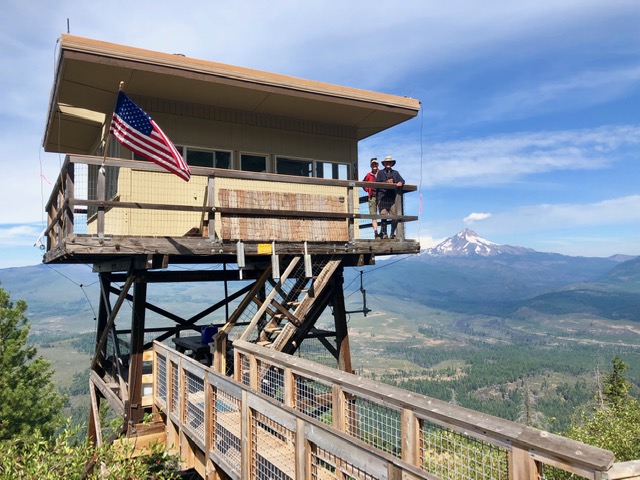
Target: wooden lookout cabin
x=274 y=212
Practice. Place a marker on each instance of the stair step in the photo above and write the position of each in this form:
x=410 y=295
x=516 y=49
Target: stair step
x=294 y=304
x=264 y=343
x=273 y=329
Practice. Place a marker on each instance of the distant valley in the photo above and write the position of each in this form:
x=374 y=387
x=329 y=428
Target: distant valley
x=468 y=321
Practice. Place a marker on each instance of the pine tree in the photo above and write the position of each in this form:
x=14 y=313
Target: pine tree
x=616 y=386
x=527 y=414
x=29 y=401
x=614 y=425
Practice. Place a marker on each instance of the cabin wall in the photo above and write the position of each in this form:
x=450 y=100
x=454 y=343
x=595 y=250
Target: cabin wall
x=213 y=127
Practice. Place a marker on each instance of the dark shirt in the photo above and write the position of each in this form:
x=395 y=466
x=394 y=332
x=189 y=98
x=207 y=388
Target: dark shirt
x=383 y=176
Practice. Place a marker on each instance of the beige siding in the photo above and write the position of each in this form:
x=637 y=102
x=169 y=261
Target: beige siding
x=145 y=187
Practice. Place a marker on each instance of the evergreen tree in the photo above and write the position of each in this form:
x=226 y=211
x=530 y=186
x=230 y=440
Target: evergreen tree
x=615 y=425
x=29 y=401
x=616 y=386
x=527 y=414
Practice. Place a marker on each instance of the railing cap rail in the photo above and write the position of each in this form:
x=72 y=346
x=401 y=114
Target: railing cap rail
x=222 y=172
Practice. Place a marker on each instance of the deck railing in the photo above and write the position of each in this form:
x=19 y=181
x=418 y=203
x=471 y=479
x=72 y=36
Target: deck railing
x=286 y=417
x=104 y=197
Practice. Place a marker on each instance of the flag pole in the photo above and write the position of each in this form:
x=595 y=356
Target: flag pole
x=108 y=134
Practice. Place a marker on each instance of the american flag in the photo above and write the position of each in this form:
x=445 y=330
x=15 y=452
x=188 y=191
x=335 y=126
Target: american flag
x=135 y=130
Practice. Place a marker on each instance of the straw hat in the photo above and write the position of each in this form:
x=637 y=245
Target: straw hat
x=389 y=159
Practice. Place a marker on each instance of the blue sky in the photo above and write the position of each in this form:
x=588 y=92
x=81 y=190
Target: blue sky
x=530 y=128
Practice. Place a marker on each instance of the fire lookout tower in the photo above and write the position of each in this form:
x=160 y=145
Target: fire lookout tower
x=273 y=192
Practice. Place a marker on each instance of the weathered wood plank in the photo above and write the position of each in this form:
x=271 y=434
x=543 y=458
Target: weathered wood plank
x=114 y=401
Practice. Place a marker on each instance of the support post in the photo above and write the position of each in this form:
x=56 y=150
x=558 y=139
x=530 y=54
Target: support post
x=342 y=333
x=136 y=411
x=104 y=310
x=102 y=196
x=400 y=211
x=521 y=465
x=68 y=196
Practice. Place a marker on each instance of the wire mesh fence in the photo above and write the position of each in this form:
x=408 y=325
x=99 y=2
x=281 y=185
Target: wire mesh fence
x=327 y=466
x=161 y=379
x=226 y=435
x=271 y=380
x=194 y=408
x=174 y=404
x=374 y=423
x=314 y=398
x=451 y=455
x=383 y=422
x=273 y=451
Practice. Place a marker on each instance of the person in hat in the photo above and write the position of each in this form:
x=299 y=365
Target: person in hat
x=372 y=195
x=387 y=196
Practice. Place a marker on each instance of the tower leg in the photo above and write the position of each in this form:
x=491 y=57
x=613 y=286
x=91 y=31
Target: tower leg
x=135 y=409
x=342 y=334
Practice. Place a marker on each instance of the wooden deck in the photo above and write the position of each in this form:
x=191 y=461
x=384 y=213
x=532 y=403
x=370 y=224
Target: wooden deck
x=104 y=210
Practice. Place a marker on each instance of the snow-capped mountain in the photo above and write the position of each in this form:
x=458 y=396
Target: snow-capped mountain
x=467 y=243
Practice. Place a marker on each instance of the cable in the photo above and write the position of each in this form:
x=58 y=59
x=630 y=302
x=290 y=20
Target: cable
x=421 y=165
x=80 y=285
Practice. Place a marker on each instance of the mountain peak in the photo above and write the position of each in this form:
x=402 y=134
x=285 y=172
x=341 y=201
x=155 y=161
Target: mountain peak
x=468 y=243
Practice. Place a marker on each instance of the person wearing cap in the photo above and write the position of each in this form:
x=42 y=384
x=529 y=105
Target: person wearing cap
x=372 y=195
x=387 y=196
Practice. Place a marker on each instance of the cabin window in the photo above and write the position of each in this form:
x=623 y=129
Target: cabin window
x=337 y=171
x=206 y=158
x=293 y=166
x=253 y=163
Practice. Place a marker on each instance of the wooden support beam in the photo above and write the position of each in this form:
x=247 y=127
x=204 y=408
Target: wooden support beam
x=340 y=318
x=112 y=318
x=136 y=410
x=114 y=401
x=94 y=428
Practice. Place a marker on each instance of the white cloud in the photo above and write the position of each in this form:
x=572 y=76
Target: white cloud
x=475 y=217
x=500 y=159
x=19 y=235
x=583 y=89
x=545 y=217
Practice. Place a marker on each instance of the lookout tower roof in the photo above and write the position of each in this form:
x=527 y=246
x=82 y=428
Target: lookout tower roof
x=89 y=72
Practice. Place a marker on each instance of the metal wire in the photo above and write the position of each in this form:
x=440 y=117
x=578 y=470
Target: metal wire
x=226 y=428
x=375 y=424
x=326 y=466
x=272 y=448
x=314 y=398
x=452 y=455
x=175 y=389
x=194 y=413
x=161 y=364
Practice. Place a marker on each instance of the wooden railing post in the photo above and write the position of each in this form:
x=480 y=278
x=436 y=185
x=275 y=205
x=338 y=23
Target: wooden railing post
x=69 y=195
x=410 y=437
x=211 y=203
x=350 y=211
x=301 y=452
x=522 y=466
x=289 y=388
x=400 y=211
x=102 y=196
x=245 y=441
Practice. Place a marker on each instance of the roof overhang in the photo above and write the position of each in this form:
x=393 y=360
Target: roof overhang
x=89 y=73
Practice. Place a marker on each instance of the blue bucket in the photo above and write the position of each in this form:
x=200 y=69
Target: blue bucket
x=207 y=334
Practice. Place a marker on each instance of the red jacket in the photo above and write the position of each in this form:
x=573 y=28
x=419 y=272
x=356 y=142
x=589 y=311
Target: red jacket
x=369 y=177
